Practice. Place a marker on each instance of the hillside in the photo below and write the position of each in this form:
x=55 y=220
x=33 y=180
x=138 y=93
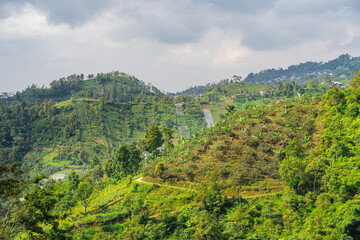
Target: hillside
x=245 y=148
x=336 y=70
x=62 y=128
x=283 y=171
x=114 y=86
x=53 y=137
x=288 y=170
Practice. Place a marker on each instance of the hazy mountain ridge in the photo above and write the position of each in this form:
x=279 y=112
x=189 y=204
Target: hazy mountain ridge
x=338 y=69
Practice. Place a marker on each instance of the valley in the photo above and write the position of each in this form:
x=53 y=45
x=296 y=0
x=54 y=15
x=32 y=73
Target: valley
x=110 y=157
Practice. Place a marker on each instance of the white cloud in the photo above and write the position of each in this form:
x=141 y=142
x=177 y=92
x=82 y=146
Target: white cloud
x=173 y=44
x=28 y=23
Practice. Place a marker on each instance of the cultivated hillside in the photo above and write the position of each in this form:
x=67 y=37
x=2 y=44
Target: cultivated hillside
x=290 y=170
x=283 y=171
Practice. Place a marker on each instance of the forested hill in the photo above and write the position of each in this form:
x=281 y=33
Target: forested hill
x=284 y=171
x=114 y=87
x=61 y=128
x=339 y=69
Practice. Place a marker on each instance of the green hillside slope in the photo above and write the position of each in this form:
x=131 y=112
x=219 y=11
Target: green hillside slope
x=284 y=171
x=66 y=126
x=340 y=69
x=114 y=87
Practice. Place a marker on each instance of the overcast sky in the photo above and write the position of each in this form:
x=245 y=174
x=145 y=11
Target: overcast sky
x=172 y=44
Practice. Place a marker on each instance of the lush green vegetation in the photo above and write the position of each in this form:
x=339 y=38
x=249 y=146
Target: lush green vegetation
x=288 y=170
x=338 y=69
x=57 y=135
x=114 y=87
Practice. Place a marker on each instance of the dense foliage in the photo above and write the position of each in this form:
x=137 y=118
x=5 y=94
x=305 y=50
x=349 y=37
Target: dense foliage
x=288 y=170
x=340 y=68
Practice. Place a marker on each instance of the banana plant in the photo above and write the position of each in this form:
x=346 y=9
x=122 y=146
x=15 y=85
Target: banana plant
x=278 y=152
x=306 y=138
x=246 y=106
x=258 y=136
x=278 y=134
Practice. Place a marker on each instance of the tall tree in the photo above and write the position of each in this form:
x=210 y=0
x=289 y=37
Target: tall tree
x=153 y=138
x=83 y=192
x=12 y=184
x=168 y=135
x=126 y=161
x=40 y=221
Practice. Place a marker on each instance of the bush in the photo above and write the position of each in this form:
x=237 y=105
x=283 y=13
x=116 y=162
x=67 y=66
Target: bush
x=160 y=169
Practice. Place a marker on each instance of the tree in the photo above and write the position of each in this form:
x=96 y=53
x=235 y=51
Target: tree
x=168 y=135
x=95 y=162
x=206 y=227
x=83 y=193
x=12 y=184
x=292 y=171
x=210 y=194
x=74 y=180
x=66 y=131
x=160 y=169
x=40 y=221
x=96 y=173
x=11 y=180
x=133 y=206
x=108 y=167
x=126 y=161
x=355 y=83
x=153 y=138
x=236 y=78
x=82 y=156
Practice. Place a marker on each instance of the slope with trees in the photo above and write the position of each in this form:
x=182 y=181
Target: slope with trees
x=283 y=171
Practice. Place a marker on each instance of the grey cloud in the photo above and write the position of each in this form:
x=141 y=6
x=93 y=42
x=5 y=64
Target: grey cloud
x=166 y=22
x=291 y=23
x=71 y=12
x=241 y=6
x=270 y=28
x=7 y=8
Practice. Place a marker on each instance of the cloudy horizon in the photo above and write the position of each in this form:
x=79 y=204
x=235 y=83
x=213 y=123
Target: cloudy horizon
x=171 y=44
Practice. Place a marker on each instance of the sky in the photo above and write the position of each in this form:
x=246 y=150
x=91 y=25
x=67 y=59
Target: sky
x=171 y=44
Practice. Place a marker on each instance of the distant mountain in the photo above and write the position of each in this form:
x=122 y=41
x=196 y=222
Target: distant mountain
x=339 y=69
